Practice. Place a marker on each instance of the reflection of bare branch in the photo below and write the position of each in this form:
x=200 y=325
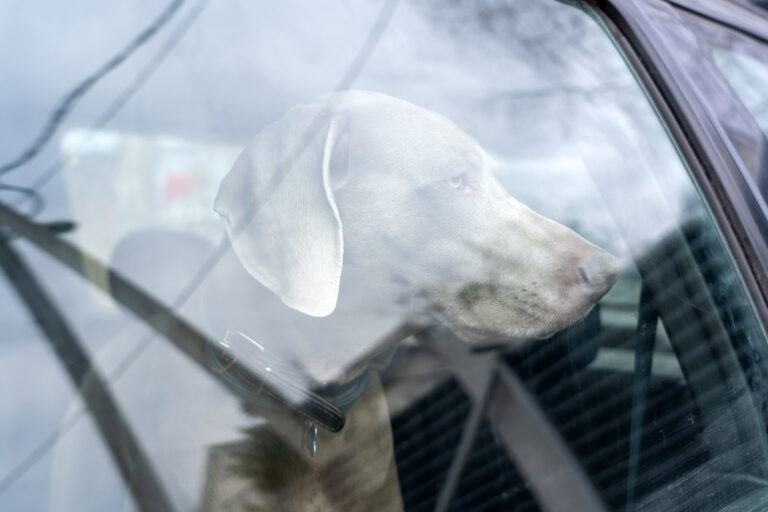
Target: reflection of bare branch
x=530 y=94
x=537 y=31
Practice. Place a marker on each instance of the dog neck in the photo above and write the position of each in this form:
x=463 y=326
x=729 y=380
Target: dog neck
x=328 y=351
x=265 y=380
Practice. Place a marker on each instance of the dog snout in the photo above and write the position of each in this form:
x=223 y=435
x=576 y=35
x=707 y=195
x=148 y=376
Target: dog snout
x=598 y=274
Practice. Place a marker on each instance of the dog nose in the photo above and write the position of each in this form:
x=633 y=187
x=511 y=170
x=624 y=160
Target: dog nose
x=598 y=274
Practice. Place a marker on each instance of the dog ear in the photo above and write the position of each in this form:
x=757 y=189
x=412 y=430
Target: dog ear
x=280 y=210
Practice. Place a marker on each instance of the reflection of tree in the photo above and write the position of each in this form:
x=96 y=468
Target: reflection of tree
x=553 y=58
x=550 y=38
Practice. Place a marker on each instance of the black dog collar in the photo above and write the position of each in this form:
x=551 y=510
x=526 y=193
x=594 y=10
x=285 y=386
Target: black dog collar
x=254 y=372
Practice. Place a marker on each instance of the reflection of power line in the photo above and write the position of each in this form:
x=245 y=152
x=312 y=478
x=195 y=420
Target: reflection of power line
x=27 y=194
x=66 y=104
x=354 y=69
x=139 y=80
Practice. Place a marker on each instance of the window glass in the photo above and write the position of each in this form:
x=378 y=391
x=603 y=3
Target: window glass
x=288 y=256
x=749 y=78
x=728 y=69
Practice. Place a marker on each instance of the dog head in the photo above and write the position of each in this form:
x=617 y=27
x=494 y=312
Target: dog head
x=364 y=181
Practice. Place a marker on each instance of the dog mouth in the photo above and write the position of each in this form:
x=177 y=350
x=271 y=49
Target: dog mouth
x=474 y=334
x=464 y=324
x=478 y=316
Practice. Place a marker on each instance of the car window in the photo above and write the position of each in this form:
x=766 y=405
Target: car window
x=726 y=66
x=258 y=257
x=748 y=76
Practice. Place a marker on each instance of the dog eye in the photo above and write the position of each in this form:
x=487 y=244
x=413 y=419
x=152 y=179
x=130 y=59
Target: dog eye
x=458 y=182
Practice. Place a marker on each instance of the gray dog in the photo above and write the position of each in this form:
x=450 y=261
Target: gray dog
x=361 y=211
